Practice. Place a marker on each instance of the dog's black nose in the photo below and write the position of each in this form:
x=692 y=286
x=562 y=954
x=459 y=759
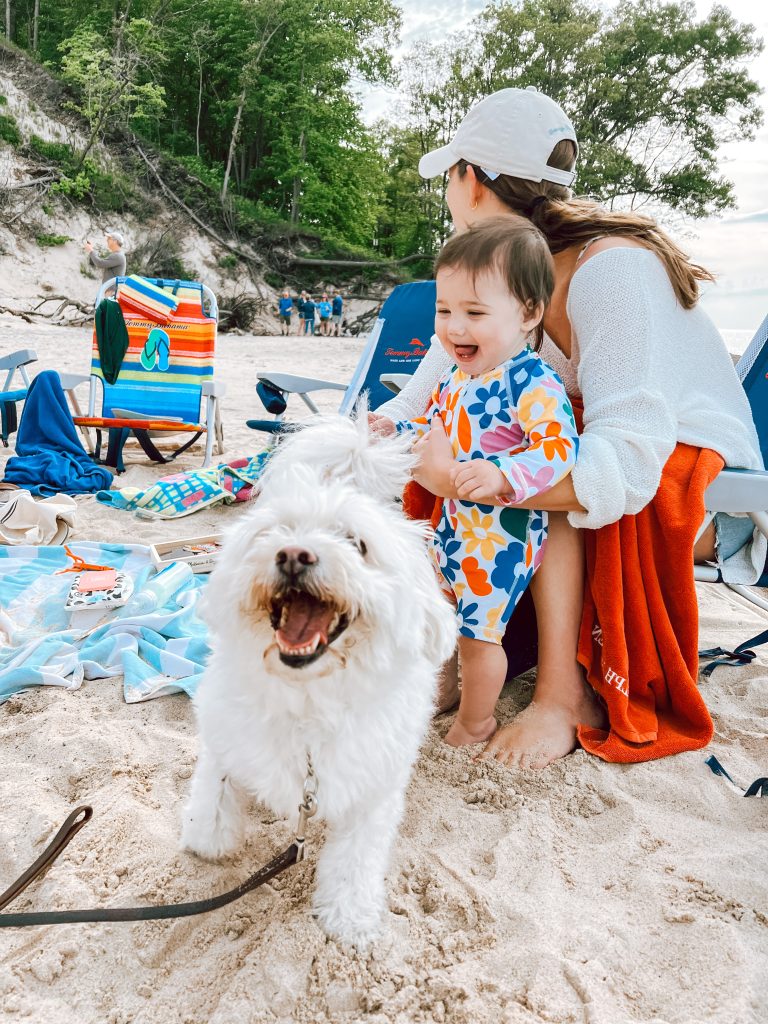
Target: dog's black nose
x=293 y=561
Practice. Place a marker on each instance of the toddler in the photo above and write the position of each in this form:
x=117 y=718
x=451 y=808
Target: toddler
x=511 y=427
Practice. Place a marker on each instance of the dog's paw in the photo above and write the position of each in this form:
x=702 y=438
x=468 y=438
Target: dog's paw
x=209 y=839
x=355 y=924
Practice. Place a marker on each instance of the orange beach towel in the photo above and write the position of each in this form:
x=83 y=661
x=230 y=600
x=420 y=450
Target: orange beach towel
x=639 y=630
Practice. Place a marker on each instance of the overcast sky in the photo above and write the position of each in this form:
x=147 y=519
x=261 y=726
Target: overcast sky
x=735 y=247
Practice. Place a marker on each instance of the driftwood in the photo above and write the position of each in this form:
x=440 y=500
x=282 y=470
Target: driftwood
x=36 y=316
x=306 y=261
x=64 y=300
x=168 y=191
x=30 y=183
x=17 y=312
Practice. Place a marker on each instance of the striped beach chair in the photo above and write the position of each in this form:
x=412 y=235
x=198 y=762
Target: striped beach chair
x=165 y=386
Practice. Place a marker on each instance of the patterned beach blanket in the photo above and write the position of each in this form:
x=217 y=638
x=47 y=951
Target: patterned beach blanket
x=181 y=494
x=157 y=653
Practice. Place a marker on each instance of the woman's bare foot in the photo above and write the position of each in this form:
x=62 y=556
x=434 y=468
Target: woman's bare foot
x=544 y=731
x=461 y=734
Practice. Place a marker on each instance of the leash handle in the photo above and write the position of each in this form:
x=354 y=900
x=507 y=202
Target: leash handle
x=66 y=833
x=75 y=821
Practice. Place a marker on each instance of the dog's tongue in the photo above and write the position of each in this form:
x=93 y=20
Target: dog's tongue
x=306 y=624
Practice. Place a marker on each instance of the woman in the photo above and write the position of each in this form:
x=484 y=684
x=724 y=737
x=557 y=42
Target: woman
x=627 y=338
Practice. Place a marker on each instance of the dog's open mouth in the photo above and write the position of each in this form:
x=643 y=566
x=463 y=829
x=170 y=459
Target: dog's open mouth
x=304 y=626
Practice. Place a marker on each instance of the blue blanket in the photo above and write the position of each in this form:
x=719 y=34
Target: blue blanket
x=49 y=457
x=156 y=653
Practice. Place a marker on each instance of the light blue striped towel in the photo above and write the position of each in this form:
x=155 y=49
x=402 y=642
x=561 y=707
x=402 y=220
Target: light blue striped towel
x=157 y=653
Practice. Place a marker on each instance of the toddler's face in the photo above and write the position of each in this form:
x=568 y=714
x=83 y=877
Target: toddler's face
x=480 y=323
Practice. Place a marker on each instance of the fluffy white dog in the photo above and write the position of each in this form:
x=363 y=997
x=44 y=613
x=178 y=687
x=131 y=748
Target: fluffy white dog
x=328 y=628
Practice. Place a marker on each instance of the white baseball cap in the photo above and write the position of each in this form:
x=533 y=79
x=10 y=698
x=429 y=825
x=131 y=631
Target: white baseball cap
x=512 y=132
x=117 y=235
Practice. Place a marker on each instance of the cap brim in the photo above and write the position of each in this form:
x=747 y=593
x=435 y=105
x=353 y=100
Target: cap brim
x=437 y=162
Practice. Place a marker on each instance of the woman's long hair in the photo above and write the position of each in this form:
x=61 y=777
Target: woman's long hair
x=565 y=221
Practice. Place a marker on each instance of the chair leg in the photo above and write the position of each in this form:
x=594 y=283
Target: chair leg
x=219 y=431
x=208 y=448
x=117 y=438
x=84 y=431
x=748 y=593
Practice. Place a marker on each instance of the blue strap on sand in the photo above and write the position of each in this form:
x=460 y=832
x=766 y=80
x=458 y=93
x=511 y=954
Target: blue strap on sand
x=758 y=788
x=741 y=655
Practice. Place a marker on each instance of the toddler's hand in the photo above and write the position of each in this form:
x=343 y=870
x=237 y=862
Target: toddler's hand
x=380 y=425
x=477 y=479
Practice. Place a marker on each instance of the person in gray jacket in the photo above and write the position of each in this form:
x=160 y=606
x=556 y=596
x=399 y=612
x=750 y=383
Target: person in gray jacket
x=113 y=264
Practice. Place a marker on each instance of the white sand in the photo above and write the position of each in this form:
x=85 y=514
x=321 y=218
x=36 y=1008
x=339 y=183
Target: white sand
x=584 y=893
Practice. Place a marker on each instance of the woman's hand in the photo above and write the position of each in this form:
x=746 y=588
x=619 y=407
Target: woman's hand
x=436 y=461
x=380 y=425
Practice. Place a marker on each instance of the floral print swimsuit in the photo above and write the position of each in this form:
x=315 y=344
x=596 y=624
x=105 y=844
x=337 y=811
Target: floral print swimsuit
x=517 y=416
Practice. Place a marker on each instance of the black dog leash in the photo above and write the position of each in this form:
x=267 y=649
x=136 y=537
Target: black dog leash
x=82 y=815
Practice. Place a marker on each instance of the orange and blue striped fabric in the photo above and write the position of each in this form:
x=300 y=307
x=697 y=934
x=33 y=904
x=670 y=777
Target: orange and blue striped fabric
x=143 y=296
x=172 y=393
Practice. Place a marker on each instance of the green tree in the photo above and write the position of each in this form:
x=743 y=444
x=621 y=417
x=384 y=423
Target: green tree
x=652 y=92
x=107 y=79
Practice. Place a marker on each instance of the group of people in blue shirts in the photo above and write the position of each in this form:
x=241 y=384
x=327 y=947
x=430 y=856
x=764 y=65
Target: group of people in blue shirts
x=328 y=310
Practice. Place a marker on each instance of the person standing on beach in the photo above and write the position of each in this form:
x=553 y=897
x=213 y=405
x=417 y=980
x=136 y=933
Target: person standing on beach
x=324 y=311
x=308 y=314
x=337 y=311
x=114 y=263
x=285 y=308
x=625 y=333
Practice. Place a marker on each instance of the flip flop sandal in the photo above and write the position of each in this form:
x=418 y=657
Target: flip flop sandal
x=148 y=356
x=163 y=351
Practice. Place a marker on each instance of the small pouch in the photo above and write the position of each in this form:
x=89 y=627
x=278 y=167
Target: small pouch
x=104 y=579
x=113 y=597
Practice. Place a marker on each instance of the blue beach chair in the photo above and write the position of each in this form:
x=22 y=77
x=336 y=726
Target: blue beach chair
x=745 y=490
x=9 y=395
x=396 y=345
x=165 y=386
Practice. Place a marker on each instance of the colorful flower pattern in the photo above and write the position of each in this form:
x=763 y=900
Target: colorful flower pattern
x=518 y=417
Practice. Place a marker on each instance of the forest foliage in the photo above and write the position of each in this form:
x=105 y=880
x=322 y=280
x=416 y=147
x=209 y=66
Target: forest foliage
x=260 y=99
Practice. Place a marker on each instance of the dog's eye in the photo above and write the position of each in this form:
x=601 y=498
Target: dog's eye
x=359 y=544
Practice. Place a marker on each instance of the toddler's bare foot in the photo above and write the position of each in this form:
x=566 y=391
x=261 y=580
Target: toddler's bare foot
x=461 y=734
x=543 y=732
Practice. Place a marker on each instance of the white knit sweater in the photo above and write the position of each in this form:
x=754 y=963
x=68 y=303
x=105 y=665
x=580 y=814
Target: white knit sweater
x=650 y=374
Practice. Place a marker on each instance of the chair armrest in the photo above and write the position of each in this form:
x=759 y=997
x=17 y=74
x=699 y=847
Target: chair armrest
x=395 y=381
x=299 y=385
x=213 y=389
x=738 y=490
x=70 y=381
x=15 y=359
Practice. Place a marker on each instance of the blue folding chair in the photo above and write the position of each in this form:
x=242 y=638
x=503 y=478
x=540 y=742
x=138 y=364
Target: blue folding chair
x=745 y=491
x=9 y=396
x=398 y=342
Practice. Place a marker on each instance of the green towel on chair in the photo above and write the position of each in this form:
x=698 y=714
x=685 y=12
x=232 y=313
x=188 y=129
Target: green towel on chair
x=111 y=338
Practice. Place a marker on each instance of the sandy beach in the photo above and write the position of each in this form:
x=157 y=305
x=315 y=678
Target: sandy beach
x=584 y=893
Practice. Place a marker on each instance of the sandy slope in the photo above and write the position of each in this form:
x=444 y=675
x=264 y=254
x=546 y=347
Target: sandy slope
x=584 y=893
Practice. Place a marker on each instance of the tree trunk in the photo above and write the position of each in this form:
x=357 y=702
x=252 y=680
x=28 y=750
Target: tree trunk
x=35 y=23
x=8 y=19
x=233 y=145
x=297 y=180
x=199 y=104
